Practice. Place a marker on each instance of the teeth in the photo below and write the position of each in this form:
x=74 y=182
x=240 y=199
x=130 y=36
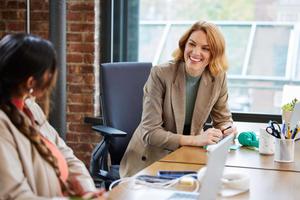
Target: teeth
x=196 y=59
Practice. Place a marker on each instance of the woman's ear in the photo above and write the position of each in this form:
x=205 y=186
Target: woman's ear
x=30 y=83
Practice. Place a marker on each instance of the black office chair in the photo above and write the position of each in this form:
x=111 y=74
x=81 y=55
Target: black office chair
x=121 y=96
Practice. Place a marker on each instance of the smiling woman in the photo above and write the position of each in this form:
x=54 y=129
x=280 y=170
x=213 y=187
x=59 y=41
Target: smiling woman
x=178 y=98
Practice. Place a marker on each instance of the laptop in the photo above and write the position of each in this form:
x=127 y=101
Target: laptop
x=210 y=184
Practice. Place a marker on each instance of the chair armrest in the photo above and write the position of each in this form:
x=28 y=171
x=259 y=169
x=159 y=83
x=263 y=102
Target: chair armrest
x=107 y=131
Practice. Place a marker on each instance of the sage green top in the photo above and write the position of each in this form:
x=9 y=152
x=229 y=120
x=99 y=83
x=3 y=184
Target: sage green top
x=191 y=88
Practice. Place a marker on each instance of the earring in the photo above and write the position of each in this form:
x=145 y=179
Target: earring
x=30 y=90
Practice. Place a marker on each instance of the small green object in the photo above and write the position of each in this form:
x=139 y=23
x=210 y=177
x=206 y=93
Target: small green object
x=248 y=138
x=290 y=106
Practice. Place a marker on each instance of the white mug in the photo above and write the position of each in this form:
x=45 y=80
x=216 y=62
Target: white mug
x=266 y=142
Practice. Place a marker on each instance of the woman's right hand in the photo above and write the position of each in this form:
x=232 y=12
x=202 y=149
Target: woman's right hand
x=210 y=136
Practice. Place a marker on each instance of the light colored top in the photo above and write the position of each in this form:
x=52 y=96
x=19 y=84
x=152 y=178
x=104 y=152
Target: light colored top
x=24 y=173
x=191 y=89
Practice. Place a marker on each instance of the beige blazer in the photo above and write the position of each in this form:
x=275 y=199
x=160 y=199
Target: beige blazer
x=164 y=114
x=24 y=174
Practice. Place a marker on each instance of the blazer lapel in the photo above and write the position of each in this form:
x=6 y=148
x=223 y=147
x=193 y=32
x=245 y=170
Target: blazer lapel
x=203 y=101
x=178 y=98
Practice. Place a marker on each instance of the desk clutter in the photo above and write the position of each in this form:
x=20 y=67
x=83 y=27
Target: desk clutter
x=277 y=139
x=232 y=183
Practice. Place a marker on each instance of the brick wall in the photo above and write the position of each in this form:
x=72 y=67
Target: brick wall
x=80 y=55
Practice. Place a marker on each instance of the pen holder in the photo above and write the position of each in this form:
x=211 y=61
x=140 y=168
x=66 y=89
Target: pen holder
x=284 y=150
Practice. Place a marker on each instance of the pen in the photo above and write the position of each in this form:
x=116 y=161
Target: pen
x=295 y=132
x=228 y=127
x=288 y=134
x=283 y=129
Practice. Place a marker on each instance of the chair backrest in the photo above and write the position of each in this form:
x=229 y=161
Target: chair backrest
x=122 y=98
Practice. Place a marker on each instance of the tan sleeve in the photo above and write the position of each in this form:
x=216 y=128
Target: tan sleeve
x=220 y=113
x=13 y=182
x=77 y=169
x=152 y=130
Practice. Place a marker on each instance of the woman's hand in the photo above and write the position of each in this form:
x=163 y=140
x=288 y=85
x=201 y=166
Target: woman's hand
x=99 y=194
x=79 y=191
x=210 y=136
x=227 y=130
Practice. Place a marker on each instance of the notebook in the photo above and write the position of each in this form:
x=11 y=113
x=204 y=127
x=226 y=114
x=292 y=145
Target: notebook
x=210 y=184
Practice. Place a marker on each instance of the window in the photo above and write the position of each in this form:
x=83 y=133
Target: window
x=262 y=51
x=263 y=45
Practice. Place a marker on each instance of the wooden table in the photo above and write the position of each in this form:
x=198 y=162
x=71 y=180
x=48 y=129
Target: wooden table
x=268 y=179
x=242 y=157
x=264 y=184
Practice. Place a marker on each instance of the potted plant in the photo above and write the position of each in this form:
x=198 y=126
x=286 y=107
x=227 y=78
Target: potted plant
x=287 y=110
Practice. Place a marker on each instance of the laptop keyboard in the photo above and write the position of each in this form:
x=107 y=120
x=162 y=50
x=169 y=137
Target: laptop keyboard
x=184 y=196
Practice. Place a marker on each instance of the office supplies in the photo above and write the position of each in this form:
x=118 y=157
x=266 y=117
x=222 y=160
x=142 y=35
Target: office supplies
x=284 y=150
x=210 y=183
x=295 y=132
x=153 y=179
x=174 y=174
x=248 y=138
x=228 y=127
x=274 y=129
x=283 y=128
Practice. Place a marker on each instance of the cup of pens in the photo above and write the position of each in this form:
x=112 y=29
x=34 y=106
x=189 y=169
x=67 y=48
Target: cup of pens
x=284 y=150
x=284 y=141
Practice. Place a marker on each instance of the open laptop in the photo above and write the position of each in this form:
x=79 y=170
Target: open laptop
x=210 y=183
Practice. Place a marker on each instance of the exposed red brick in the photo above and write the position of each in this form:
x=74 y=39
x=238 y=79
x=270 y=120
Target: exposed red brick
x=75 y=117
x=39 y=16
x=38 y=4
x=89 y=17
x=74 y=16
x=80 y=27
x=80 y=128
x=89 y=79
x=74 y=37
x=2 y=25
x=81 y=6
x=39 y=26
x=93 y=138
x=15 y=4
x=73 y=137
x=16 y=26
x=88 y=58
x=75 y=79
x=96 y=137
x=78 y=98
x=42 y=34
x=79 y=88
x=86 y=69
x=81 y=48
x=88 y=37
x=74 y=58
x=2 y=5
x=9 y=15
x=73 y=69
x=80 y=108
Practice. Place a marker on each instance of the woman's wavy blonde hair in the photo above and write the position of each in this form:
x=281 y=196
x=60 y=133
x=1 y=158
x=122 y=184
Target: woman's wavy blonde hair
x=216 y=42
